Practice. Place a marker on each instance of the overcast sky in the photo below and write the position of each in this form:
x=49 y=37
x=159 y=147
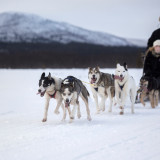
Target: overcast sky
x=125 y=18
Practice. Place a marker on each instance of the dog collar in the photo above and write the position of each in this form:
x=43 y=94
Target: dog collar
x=53 y=95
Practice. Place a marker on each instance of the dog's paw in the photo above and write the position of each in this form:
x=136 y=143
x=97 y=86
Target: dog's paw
x=63 y=120
x=56 y=112
x=44 y=119
x=153 y=106
x=109 y=110
x=79 y=116
x=71 y=117
x=121 y=113
x=71 y=120
x=121 y=107
x=98 y=112
x=89 y=118
x=144 y=104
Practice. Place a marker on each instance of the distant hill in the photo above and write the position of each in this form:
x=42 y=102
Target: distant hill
x=21 y=27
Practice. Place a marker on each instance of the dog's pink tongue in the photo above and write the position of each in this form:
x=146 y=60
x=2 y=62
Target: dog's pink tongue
x=121 y=78
x=38 y=93
x=117 y=77
x=93 y=80
x=66 y=105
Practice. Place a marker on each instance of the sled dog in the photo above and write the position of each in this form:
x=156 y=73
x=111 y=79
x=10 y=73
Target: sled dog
x=71 y=89
x=124 y=86
x=153 y=94
x=50 y=86
x=102 y=84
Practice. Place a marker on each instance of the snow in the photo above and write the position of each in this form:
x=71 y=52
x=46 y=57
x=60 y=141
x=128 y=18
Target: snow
x=22 y=27
x=108 y=136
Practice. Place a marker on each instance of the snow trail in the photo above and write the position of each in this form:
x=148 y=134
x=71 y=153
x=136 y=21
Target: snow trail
x=108 y=136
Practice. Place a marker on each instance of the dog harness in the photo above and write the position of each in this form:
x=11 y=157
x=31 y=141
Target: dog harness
x=119 y=78
x=53 y=95
x=121 y=87
x=73 y=80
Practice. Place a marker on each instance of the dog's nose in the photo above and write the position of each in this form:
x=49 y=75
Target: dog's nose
x=39 y=90
x=121 y=75
x=67 y=100
x=93 y=76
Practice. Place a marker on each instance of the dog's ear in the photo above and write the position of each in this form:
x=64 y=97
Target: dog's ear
x=49 y=76
x=89 y=68
x=97 y=68
x=62 y=84
x=61 y=87
x=72 y=84
x=118 y=65
x=43 y=75
x=125 y=66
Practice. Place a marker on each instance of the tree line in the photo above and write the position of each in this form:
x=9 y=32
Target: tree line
x=72 y=55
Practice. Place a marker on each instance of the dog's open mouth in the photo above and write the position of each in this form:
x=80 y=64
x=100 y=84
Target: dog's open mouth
x=118 y=77
x=67 y=104
x=41 y=93
x=93 y=80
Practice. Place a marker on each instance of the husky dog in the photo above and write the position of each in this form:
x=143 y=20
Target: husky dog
x=143 y=90
x=124 y=86
x=71 y=89
x=153 y=94
x=50 y=86
x=102 y=84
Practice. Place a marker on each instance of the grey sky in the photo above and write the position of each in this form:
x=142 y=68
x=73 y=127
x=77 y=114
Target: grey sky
x=125 y=18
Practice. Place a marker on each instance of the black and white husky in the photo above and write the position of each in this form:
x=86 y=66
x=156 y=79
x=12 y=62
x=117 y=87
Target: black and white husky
x=102 y=84
x=50 y=86
x=71 y=89
x=124 y=86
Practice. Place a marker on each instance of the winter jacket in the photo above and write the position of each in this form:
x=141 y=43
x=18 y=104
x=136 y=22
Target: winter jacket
x=152 y=64
x=152 y=69
x=155 y=35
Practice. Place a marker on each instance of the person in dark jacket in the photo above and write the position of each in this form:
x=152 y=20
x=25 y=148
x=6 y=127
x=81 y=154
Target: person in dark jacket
x=155 y=35
x=151 y=69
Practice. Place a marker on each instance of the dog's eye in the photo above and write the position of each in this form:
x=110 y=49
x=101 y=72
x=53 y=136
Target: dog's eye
x=64 y=94
x=123 y=71
x=45 y=85
x=69 y=94
x=118 y=71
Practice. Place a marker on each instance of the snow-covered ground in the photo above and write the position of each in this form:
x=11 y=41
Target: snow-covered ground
x=109 y=136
